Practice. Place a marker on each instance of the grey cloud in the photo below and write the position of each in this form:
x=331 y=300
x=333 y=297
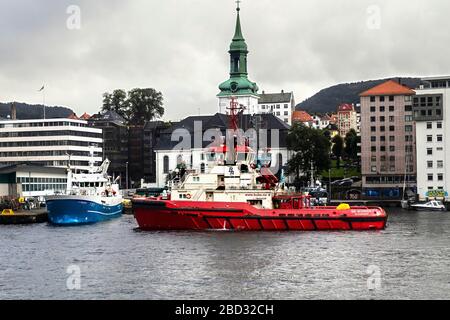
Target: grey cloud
x=180 y=47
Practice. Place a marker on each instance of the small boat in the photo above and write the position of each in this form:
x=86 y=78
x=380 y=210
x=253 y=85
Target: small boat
x=429 y=206
x=91 y=197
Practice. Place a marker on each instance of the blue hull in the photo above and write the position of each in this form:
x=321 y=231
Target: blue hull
x=78 y=211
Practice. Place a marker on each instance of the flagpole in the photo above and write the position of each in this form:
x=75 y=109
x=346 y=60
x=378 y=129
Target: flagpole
x=43 y=100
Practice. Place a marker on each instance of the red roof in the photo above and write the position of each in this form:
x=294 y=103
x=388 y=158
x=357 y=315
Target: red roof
x=73 y=116
x=346 y=107
x=387 y=88
x=302 y=116
x=85 y=116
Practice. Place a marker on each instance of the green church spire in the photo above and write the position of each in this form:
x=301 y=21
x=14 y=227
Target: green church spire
x=238 y=84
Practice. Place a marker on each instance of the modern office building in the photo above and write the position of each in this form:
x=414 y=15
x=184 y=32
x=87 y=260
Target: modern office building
x=387 y=140
x=49 y=143
x=431 y=107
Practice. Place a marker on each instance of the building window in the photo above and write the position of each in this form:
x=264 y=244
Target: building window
x=286 y=113
x=392 y=148
x=439 y=138
x=383 y=158
x=429 y=125
x=391 y=108
x=391 y=128
x=430 y=151
x=392 y=158
x=408 y=128
x=202 y=168
x=373 y=129
x=440 y=177
x=373 y=149
x=391 y=118
x=373 y=138
x=430 y=177
x=383 y=148
x=408 y=118
x=382 y=119
x=440 y=149
x=373 y=169
x=392 y=168
x=440 y=164
x=438 y=112
x=391 y=98
x=408 y=108
x=372 y=109
x=429 y=138
x=286 y=106
x=382 y=98
x=383 y=138
x=430 y=164
x=373 y=119
x=166 y=164
x=382 y=109
x=391 y=138
x=439 y=125
x=373 y=159
x=382 y=128
x=372 y=99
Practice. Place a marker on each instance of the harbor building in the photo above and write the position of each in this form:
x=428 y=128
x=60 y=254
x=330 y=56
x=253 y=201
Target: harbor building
x=388 y=141
x=31 y=181
x=431 y=107
x=279 y=104
x=49 y=143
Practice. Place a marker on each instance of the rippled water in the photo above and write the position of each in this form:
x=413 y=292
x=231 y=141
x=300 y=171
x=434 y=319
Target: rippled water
x=119 y=262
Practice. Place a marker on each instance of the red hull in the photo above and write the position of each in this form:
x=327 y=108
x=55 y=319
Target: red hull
x=185 y=215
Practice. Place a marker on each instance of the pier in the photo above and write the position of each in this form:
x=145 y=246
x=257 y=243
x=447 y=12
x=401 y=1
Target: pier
x=23 y=217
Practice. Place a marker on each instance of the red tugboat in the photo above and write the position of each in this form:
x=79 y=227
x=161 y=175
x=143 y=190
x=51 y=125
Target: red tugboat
x=237 y=195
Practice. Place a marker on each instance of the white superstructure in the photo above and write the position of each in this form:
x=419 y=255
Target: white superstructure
x=49 y=142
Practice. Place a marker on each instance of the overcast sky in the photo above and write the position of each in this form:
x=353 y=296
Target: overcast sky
x=179 y=47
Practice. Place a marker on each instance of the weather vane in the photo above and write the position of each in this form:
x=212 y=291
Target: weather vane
x=238 y=3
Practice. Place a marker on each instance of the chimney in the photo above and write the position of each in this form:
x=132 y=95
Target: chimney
x=13 y=111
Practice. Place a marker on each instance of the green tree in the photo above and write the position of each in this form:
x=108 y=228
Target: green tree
x=337 y=149
x=137 y=106
x=310 y=146
x=351 y=145
x=145 y=105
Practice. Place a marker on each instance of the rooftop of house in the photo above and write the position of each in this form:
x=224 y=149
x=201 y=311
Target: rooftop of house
x=388 y=88
x=302 y=116
x=269 y=98
x=346 y=107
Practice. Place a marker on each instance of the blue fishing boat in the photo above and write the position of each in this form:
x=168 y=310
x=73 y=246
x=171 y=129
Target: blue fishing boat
x=90 y=198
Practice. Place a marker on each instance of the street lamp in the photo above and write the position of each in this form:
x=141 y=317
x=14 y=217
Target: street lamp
x=127 y=175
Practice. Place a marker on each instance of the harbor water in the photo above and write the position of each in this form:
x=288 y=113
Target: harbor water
x=114 y=260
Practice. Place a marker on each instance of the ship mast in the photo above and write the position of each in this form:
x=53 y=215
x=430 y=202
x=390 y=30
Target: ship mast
x=234 y=109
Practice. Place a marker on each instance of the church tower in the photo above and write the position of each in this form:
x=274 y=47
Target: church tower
x=238 y=86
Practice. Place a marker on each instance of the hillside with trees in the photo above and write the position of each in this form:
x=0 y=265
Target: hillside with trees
x=327 y=100
x=26 y=111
